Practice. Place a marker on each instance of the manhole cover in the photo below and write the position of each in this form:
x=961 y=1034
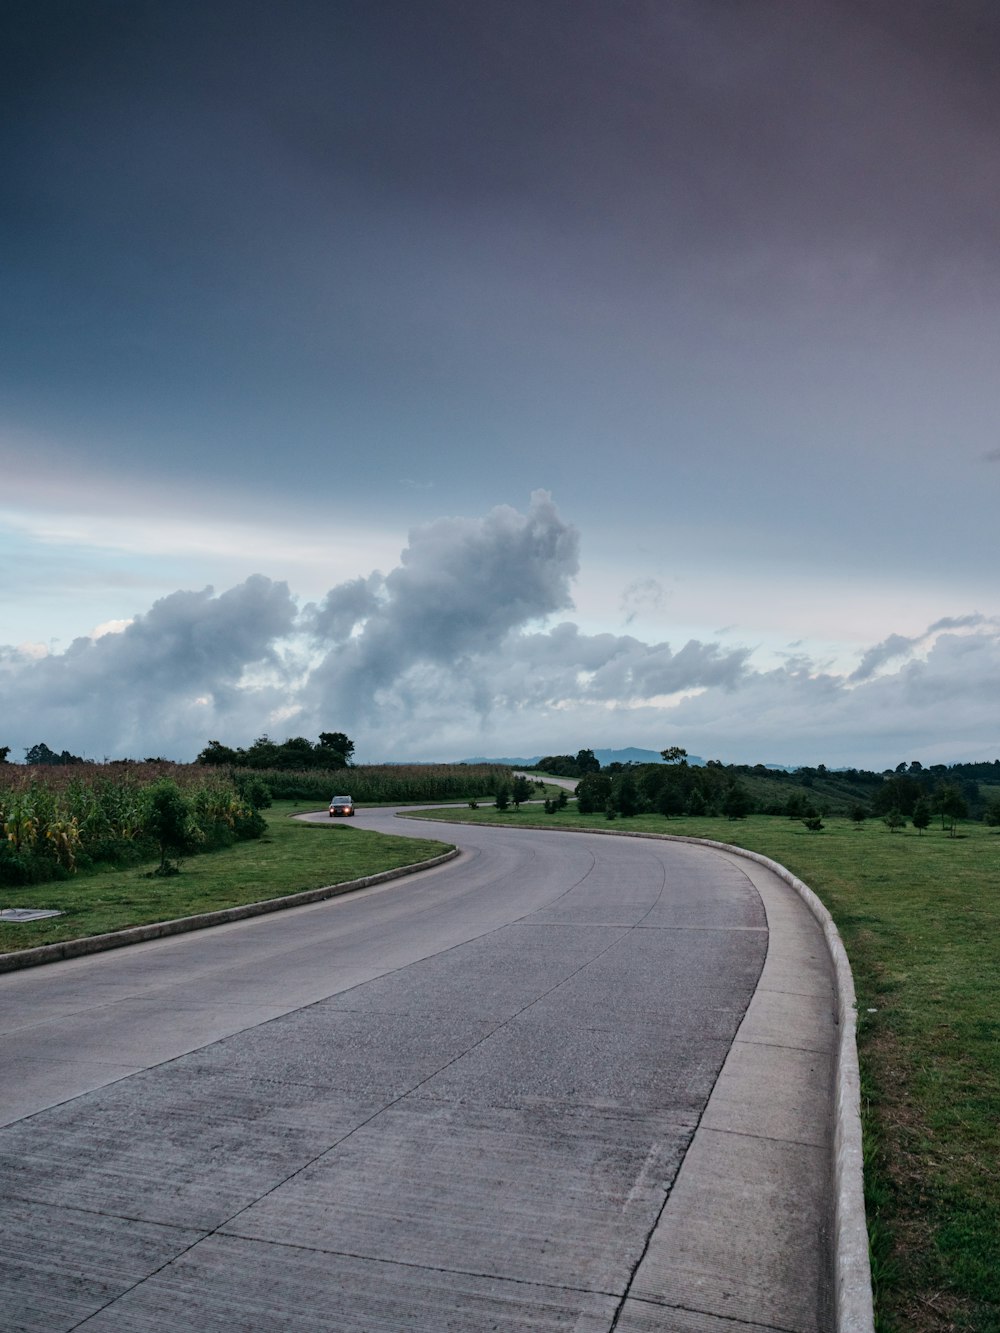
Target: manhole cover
x=27 y=913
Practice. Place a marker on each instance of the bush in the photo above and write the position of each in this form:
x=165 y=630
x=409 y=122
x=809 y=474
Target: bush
x=169 y=820
x=255 y=791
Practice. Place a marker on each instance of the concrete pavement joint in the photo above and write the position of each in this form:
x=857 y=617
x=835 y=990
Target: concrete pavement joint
x=423 y=1268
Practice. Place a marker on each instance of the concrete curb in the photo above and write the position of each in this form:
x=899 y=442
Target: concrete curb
x=852 y=1280
x=116 y=939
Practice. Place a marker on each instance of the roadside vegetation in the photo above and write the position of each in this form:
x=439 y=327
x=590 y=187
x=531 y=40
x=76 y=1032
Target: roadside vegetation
x=919 y=913
x=290 y=856
x=60 y=820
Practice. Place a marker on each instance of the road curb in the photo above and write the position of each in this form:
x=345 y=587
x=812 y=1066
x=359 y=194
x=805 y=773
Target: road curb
x=852 y=1281
x=116 y=939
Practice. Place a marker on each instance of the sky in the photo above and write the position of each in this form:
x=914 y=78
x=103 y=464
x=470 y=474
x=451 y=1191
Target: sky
x=501 y=379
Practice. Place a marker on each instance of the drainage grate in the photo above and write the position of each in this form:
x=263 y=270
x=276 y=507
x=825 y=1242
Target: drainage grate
x=27 y=913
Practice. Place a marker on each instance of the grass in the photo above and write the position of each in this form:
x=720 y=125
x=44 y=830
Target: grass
x=920 y=918
x=290 y=857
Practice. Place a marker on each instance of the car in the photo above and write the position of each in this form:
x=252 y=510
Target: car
x=341 y=805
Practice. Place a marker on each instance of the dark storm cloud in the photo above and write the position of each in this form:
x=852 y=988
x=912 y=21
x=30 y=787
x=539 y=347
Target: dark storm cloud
x=201 y=190
x=343 y=607
x=174 y=670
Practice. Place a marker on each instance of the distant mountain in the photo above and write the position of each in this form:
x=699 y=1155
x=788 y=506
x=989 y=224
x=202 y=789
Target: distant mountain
x=630 y=755
x=633 y=756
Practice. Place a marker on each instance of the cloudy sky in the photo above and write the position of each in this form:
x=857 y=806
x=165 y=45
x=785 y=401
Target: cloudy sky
x=501 y=378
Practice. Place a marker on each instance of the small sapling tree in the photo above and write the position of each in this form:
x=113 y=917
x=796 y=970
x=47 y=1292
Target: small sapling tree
x=737 y=802
x=168 y=821
x=921 y=816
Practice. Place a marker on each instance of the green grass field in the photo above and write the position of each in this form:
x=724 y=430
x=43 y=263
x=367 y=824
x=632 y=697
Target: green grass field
x=290 y=857
x=920 y=918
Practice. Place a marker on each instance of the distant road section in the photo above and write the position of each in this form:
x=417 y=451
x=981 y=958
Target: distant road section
x=459 y=1100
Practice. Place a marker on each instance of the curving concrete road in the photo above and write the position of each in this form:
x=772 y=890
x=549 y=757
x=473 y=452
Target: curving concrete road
x=545 y=1086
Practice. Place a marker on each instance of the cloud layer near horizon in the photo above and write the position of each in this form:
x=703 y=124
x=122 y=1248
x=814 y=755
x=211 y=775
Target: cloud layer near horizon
x=454 y=652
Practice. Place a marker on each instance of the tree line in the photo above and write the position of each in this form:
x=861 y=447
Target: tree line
x=332 y=750
x=676 y=787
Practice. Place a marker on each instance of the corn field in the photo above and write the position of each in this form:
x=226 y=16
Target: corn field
x=58 y=820
x=383 y=784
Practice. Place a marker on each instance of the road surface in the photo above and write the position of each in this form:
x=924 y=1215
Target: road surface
x=485 y=1097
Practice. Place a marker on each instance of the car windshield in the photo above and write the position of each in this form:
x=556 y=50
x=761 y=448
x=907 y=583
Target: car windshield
x=341 y=800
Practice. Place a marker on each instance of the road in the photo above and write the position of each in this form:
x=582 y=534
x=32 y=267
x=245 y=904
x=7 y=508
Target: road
x=485 y=1097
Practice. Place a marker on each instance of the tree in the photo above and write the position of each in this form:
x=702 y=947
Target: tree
x=950 y=804
x=41 y=754
x=522 y=790
x=697 y=805
x=168 y=819
x=587 y=762
x=593 y=792
x=674 y=754
x=562 y=765
x=898 y=792
x=340 y=746
x=894 y=820
x=216 y=753
x=502 y=798
x=4 y=752
x=858 y=815
x=626 y=794
x=670 y=799
x=737 y=802
x=796 y=805
x=921 y=816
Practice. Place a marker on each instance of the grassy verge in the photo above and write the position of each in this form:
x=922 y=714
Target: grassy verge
x=920 y=918
x=289 y=858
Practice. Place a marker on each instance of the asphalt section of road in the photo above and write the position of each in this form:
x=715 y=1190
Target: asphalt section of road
x=487 y=1097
